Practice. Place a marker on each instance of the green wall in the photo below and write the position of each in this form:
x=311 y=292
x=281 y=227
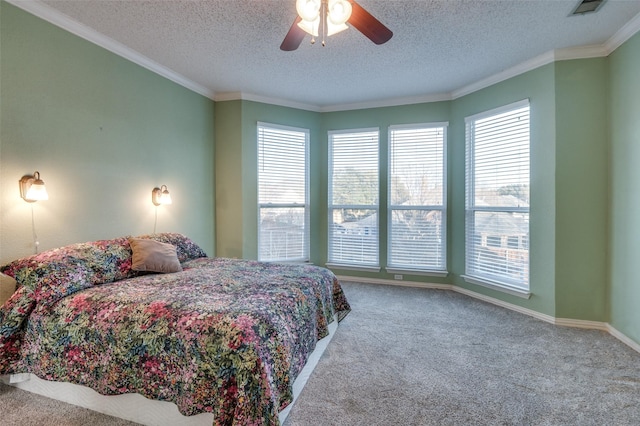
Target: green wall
x=229 y=179
x=237 y=171
x=103 y=132
x=581 y=189
x=538 y=86
x=624 y=220
x=569 y=180
x=380 y=118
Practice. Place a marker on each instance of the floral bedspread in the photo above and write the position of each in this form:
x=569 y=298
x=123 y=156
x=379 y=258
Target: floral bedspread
x=225 y=336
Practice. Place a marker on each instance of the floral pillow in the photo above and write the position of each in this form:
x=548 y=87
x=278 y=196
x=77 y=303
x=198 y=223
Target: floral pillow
x=56 y=273
x=59 y=272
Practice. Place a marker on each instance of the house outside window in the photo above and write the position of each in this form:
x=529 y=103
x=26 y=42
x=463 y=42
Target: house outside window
x=417 y=198
x=497 y=197
x=353 y=198
x=283 y=193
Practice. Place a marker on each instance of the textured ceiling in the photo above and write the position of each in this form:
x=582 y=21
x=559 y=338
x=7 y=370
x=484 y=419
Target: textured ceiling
x=438 y=47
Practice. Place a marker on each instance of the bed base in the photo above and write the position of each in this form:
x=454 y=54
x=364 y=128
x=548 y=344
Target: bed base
x=137 y=408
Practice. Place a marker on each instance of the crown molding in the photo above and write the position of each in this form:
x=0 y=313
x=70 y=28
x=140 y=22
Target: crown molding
x=625 y=33
x=389 y=102
x=54 y=17
x=63 y=21
x=538 y=61
x=227 y=96
x=570 y=53
x=580 y=52
x=235 y=96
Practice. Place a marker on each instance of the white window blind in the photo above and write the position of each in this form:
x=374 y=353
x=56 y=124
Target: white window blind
x=283 y=231
x=353 y=197
x=417 y=194
x=497 y=196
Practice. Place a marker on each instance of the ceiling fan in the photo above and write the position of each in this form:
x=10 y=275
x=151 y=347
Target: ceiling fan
x=322 y=18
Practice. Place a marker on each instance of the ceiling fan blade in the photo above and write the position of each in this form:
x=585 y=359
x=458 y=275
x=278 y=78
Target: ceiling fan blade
x=294 y=37
x=368 y=25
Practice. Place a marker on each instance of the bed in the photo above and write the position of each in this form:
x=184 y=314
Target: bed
x=154 y=316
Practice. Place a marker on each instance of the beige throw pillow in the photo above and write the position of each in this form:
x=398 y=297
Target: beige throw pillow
x=154 y=256
x=7 y=287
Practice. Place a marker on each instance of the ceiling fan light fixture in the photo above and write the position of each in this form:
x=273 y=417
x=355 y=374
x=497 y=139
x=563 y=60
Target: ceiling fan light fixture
x=339 y=12
x=310 y=27
x=309 y=10
x=312 y=15
x=323 y=18
x=335 y=29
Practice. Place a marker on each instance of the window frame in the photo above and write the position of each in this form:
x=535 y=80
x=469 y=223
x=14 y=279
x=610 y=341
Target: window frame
x=494 y=281
x=306 y=234
x=364 y=266
x=442 y=208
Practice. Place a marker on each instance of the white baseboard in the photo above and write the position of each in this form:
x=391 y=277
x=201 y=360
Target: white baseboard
x=563 y=322
x=400 y=283
x=507 y=305
x=590 y=325
x=624 y=339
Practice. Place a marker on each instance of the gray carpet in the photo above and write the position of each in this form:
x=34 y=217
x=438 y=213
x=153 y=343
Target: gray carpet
x=408 y=356
x=20 y=408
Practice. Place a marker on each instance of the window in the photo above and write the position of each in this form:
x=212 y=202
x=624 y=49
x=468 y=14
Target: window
x=497 y=197
x=417 y=193
x=283 y=231
x=353 y=197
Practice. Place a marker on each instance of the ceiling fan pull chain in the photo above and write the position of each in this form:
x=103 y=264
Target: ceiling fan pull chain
x=323 y=20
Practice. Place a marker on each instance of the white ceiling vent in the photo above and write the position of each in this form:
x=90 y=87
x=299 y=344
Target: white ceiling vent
x=587 y=6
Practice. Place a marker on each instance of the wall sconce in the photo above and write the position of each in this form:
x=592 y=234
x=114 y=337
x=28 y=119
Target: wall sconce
x=32 y=188
x=160 y=196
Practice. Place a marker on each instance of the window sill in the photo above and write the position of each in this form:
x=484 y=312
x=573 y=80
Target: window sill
x=353 y=267
x=291 y=261
x=418 y=272
x=498 y=287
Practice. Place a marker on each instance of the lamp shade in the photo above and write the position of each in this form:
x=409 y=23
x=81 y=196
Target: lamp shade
x=308 y=9
x=165 y=197
x=326 y=17
x=32 y=188
x=161 y=196
x=310 y=27
x=334 y=29
x=37 y=191
x=339 y=11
